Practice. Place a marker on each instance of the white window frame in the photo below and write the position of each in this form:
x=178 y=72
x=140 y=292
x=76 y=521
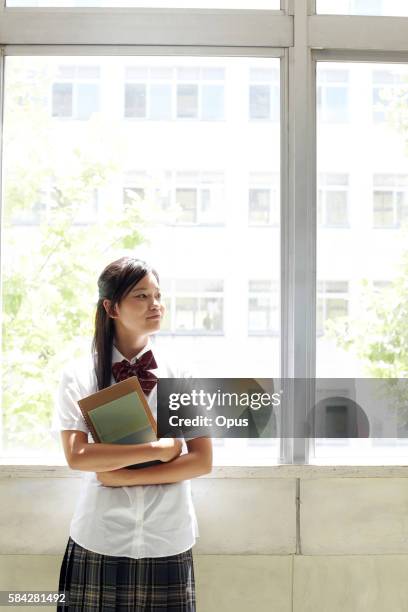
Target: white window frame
x=300 y=38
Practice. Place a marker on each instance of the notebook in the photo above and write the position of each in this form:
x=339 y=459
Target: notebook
x=120 y=414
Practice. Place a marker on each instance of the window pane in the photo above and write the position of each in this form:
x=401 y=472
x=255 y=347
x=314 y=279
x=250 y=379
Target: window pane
x=160 y=102
x=212 y=102
x=263 y=307
x=187 y=200
x=228 y=4
x=135 y=100
x=62 y=100
x=383 y=209
x=107 y=186
x=362 y=265
x=187 y=101
x=363 y=7
x=259 y=205
x=259 y=102
x=88 y=100
x=336 y=208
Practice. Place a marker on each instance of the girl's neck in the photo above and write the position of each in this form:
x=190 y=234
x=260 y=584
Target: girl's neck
x=129 y=347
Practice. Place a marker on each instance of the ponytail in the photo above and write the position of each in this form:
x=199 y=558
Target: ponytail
x=102 y=346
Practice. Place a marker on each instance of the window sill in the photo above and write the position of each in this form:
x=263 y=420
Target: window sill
x=18 y=470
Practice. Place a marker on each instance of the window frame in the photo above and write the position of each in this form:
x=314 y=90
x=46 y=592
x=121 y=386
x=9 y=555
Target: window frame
x=299 y=38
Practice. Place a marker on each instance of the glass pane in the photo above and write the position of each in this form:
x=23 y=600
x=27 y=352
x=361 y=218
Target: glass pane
x=212 y=102
x=259 y=205
x=62 y=100
x=336 y=208
x=135 y=100
x=363 y=7
x=160 y=102
x=187 y=101
x=83 y=193
x=187 y=200
x=87 y=100
x=226 y=4
x=259 y=102
x=361 y=316
x=383 y=209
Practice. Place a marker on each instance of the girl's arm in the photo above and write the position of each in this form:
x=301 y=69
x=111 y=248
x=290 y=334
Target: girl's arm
x=196 y=462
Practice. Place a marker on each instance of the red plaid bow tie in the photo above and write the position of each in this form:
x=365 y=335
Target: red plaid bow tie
x=123 y=369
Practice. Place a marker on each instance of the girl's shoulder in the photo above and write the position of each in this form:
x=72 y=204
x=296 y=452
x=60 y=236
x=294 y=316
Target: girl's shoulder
x=170 y=364
x=80 y=371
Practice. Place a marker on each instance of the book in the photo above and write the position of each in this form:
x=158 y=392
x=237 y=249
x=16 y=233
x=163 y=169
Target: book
x=120 y=414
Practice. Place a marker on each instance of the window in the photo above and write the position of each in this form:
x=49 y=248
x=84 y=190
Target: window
x=84 y=209
x=194 y=306
x=390 y=200
x=163 y=93
x=135 y=100
x=263 y=94
x=263 y=199
x=332 y=200
x=263 y=307
x=75 y=93
x=184 y=198
x=106 y=185
x=332 y=302
x=352 y=324
x=387 y=85
x=333 y=96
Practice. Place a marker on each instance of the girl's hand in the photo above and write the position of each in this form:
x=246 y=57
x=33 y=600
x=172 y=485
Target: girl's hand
x=109 y=479
x=169 y=448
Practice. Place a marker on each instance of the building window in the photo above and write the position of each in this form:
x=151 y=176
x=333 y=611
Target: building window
x=332 y=200
x=84 y=211
x=385 y=84
x=193 y=306
x=264 y=100
x=263 y=307
x=390 y=200
x=381 y=285
x=135 y=100
x=333 y=96
x=75 y=92
x=166 y=93
x=132 y=194
x=184 y=198
x=263 y=199
x=332 y=302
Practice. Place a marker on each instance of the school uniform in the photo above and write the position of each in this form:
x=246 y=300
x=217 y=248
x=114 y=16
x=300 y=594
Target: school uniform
x=129 y=548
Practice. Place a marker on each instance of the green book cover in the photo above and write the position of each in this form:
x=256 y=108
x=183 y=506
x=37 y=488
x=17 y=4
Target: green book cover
x=122 y=421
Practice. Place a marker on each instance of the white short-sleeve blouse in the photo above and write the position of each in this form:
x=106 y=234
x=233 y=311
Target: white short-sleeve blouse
x=137 y=521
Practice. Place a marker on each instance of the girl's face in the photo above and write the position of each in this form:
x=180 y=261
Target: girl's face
x=141 y=310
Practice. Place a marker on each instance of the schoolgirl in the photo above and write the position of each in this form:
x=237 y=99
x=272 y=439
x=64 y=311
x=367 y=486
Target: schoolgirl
x=132 y=532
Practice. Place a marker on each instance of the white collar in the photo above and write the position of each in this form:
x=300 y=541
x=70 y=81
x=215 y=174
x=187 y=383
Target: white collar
x=117 y=355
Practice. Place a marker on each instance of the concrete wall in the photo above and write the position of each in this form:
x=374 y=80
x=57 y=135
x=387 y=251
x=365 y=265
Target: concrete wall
x=278 y=539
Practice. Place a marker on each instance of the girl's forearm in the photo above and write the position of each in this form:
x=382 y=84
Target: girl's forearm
x=184 y=467
x=105 y=457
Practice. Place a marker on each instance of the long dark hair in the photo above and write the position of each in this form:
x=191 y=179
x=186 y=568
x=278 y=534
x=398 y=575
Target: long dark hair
x=114 y=283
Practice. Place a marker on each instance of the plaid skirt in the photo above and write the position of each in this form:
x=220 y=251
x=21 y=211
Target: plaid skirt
x=94 y=582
